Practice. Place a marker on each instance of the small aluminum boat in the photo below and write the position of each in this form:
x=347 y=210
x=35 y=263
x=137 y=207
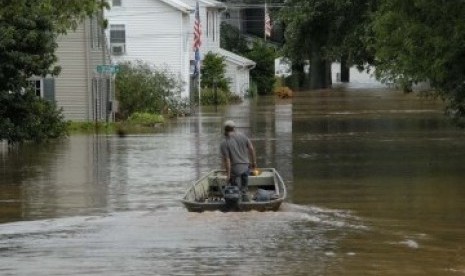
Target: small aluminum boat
x=266 y=192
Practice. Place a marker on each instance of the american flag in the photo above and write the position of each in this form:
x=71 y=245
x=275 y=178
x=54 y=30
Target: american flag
x=197 y=39
x=267 y=23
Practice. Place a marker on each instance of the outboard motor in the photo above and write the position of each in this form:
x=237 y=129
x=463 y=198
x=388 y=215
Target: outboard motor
x=231 y=194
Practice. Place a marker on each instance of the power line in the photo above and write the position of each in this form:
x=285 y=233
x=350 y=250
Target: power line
x=229 y=7
x=255 y=6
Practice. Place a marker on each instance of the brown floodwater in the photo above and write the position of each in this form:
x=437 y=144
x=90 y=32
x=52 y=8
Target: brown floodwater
x=375 y=179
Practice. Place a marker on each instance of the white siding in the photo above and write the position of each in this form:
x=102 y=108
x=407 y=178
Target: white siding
x=154 y=34
x=238 y=78
x=230 y=74
x=211 y=28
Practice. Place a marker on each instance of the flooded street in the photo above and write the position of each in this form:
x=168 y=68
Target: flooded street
x=375 y=181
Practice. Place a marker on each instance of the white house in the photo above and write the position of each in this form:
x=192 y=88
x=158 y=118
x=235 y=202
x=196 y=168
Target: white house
x=161 y=32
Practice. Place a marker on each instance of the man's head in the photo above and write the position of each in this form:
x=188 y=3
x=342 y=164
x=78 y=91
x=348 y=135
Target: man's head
x=229 y=126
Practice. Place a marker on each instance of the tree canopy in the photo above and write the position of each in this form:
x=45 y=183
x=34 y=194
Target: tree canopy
x=324 y=31
x=423 y=40
x=27 y=43
x=408 y=41
x=232 y=39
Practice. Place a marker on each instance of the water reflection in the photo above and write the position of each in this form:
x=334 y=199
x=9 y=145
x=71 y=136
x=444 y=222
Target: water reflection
x=64 y=178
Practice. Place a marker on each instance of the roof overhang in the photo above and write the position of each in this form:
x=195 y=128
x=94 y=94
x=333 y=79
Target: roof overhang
x=179 y=5
x=240 y=61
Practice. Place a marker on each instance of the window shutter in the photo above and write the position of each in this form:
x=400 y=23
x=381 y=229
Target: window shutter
x=49 y=89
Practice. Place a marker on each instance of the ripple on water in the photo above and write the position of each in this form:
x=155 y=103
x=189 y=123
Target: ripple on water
x=168 y=239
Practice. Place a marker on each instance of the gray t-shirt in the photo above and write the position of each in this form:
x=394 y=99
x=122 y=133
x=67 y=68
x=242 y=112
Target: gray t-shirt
x=236 y=147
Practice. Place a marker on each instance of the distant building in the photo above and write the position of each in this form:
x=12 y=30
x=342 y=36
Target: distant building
x=249 y=18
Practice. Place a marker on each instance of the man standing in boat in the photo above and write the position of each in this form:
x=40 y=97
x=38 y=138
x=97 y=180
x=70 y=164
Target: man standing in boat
x=238 y=155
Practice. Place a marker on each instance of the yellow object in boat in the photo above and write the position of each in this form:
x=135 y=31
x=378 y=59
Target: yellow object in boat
x=256 y=172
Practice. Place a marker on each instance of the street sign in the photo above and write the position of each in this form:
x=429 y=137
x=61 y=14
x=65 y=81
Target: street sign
x=107 y=69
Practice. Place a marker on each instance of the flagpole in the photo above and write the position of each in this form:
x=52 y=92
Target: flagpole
x=197 y=44
x=265 y=22
x=199 y=86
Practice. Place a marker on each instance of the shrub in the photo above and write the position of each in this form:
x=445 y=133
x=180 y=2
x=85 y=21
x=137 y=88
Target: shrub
x=209 y=97
x=25 y=117
x=90 y=127
x=283 y=92
x=252 y=92
x=145 y=119
x=142 y=88
x=234 y=98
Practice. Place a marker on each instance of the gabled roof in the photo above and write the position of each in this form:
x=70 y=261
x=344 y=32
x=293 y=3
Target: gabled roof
x=234 y=58
x=207 y=3
x=213 y=3
x=188 y=6
x=179 y=5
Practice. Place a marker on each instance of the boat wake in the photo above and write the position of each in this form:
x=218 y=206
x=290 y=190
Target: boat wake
x=324 y=216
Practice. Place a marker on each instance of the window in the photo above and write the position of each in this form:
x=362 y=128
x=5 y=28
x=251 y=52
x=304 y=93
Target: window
x=118 y=39
x=116 y=3
x=36 y=86
x=102 y=105
x=44 y=88
x=208 y=24
x=211 y=21
x=117 y=34
x=96 y=33
x=213 y=25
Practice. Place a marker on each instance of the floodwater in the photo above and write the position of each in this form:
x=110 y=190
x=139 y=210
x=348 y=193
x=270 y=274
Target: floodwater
x=375 y=179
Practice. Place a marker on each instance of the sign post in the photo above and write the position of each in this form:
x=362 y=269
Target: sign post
x=109 y=70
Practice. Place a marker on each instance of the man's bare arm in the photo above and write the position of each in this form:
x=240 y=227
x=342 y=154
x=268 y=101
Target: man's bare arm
x=227 y=167
x=253 y=158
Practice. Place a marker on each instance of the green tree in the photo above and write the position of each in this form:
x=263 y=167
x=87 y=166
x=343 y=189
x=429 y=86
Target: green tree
x=423 y=40
x=308 y=29
x=29 y=29
x=143 y=89
x=232 y=39
x=263 y=73
x=352 y=38
x=213 y=72
x=27 y=45
x=323 y=31
x=67 y=14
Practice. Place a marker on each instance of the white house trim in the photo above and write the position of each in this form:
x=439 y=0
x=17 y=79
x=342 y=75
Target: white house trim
x=180 y=5
x=236 y=59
